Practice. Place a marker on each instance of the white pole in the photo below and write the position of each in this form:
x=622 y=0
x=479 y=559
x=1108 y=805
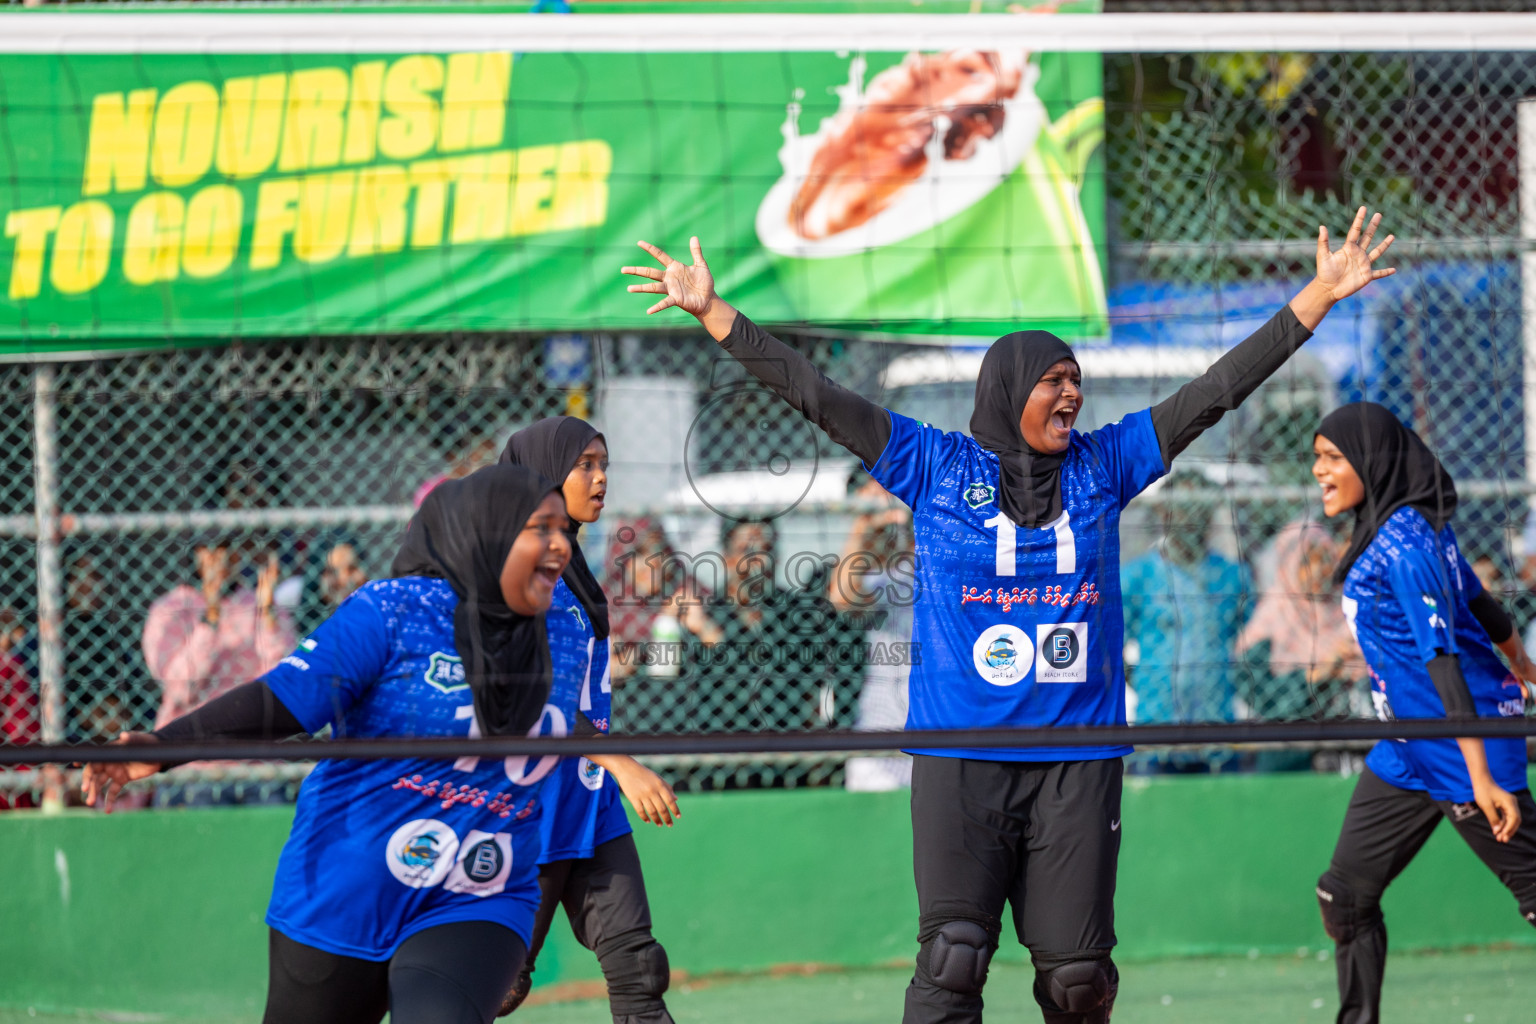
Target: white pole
x=50 y=576
x=1526 y=121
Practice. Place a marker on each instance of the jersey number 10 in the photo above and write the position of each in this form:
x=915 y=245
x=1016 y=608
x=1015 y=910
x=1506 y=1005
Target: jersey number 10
x=1007 y=543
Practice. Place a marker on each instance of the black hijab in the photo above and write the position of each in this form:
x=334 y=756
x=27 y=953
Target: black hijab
x=1031 y=480
x=462 y=533
x=1396 y=467
x=550 y=448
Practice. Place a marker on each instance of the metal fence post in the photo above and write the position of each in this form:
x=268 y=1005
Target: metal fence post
x=1526 y=128
x=50 y=576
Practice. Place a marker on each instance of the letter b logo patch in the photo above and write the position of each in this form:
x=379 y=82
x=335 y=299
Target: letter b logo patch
x=1061 y=653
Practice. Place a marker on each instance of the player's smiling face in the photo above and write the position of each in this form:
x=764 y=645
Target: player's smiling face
x=586 y=486
x=1342 y=486
x=538 y=557
x=1052 y=408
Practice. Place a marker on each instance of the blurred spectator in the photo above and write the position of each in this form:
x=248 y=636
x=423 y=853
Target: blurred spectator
x=247 y=477
x=475 y=453
x=19 y=640
x=202 y=641
x=759 y=656
x=1303 y=659
x=1183 y=609
x=643 y=578
x=1527 y=571
x=19 y=713
x=340 y=572
x=100 y=658
x=872 y=585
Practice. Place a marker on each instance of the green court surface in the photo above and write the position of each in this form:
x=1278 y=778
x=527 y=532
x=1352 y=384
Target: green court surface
x=1473 y=987
x=1494 y=986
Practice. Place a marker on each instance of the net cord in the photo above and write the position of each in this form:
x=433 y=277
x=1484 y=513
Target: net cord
x=375 y=32
x=451 y=748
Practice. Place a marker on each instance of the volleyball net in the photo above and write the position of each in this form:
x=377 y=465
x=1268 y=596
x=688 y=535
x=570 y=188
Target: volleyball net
x=271 y=273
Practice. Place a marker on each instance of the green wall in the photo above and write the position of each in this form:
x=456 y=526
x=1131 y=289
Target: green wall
x=161 y=911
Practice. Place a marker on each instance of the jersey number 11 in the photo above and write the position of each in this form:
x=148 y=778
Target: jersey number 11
x=1007 y=543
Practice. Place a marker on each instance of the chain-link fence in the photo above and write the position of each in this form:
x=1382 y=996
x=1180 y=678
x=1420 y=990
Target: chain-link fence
x=270 y=477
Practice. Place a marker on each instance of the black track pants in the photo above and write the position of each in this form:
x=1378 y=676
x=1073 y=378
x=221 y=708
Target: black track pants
x=1384 y=828
x=604 y=898
x=1043 y=837
x=451 y=974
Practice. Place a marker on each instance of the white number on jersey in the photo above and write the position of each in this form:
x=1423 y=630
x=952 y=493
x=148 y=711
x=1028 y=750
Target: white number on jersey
x=1007 y=544
x=516 y=767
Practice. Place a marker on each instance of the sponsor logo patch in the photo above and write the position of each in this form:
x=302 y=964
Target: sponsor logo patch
x=446 y=672
x=307 y=644
x=590 y=775
x=1002 y=654
x=484 y=863
x=1062 y=652
x=1463 y=812
x=420 y=852
x=979 y=494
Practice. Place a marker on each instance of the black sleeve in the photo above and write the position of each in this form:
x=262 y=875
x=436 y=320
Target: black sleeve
x=1492 y=617
x=584 y=726
x=851 y=420
x=1197 y=405
x=248 y=712
x=1445 y=673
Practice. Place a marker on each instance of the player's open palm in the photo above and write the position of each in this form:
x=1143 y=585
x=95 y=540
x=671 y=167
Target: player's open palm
x=1351 y=267
x=689 y=288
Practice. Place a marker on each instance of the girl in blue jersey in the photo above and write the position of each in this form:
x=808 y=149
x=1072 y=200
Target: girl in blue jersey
x=410 y=885
x=1018 y=622
x=1428 y=630
x=589 y=863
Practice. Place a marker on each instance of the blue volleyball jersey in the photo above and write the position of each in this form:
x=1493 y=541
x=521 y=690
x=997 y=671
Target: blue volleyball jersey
x=1014 y=626
x=383 y=849
x=582 y=807
x=1406 y=598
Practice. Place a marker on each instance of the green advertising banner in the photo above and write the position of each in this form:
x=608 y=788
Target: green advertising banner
x=149 y=199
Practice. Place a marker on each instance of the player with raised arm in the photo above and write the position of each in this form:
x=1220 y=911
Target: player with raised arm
x=409 y=886
x=1019 y=621
x=1428 y=630
x=590 y=864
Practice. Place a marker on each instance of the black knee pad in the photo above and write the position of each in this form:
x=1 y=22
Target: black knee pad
x=1080 y=988
x=957 y=957
x=655 y=970
x=637 y=971
x=1346 y=913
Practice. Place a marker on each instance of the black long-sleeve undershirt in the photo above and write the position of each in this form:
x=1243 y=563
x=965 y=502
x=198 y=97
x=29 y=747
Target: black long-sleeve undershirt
x=1445 y=669
x=850 y=419
x=1198 y=405
x=1445 y=672
x=251 y=711
x=1492 y=617
x=863 y=427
